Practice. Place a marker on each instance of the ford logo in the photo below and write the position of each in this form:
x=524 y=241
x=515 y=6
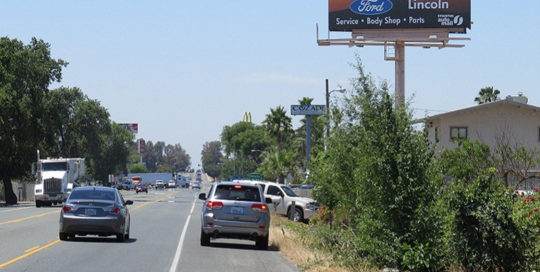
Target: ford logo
x=371 y=7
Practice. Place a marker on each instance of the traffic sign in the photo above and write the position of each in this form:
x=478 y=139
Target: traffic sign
x=308 y=109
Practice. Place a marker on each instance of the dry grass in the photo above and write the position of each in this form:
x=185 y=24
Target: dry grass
x=290 y=245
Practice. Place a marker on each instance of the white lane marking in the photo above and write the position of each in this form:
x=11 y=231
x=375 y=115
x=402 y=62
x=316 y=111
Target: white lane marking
x=16 y=209
x=181 y=242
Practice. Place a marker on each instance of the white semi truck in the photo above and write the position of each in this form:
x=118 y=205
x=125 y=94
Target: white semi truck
x=55 y=178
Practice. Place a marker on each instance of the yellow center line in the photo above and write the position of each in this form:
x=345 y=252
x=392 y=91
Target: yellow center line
x=38 y=249
x=29 y=217
x=30 y=249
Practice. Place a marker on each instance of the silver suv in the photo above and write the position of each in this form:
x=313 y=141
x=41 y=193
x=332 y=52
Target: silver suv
x=235 y=210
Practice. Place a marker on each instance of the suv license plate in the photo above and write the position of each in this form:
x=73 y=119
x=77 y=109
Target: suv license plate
x=90 y=212
x=237 y=210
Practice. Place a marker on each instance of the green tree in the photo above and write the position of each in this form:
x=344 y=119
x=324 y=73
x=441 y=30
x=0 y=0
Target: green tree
x=176 y=157
x=375 y=176
x=242 y=138
x=160 y=157
x=25 y=74
x=80 y=127
x=278 y=124
x=93 y=127
x=486 y=95
x=115 y=148
x=243 y=143
x=138 y=168
x=62 y=137
x=212 y=158
x=153 y=155
x=277 y=165
x=484 y=234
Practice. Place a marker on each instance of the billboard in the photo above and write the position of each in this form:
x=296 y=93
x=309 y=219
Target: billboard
x=348 y=15
x=133 y=127
x=308 y=109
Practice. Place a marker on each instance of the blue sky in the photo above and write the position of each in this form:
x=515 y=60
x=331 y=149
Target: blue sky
x=185 y=69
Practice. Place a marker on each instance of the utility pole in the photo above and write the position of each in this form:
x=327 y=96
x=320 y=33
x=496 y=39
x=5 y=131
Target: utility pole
x=327 y=110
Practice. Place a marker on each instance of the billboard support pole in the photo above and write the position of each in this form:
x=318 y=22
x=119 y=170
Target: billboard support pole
x=308 y=140
x=308 y=111
x=397 y=39
x=400 y=73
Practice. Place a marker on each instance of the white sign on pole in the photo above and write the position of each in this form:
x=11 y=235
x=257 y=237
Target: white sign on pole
x=308 y=109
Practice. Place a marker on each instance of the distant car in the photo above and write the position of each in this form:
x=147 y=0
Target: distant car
x=95 y=210
x=160 y=184
x=141 y=188
x=235 y=210
x=196 y=185
x=126 y=185
x=171 y=184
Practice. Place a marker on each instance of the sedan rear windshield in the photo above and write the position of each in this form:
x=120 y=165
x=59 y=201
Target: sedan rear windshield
x=238 y=192
x=92 y=194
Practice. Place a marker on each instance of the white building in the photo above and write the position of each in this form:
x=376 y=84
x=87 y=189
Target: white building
x=509 y=121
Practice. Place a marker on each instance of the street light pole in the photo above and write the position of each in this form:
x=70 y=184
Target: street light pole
x=328 y=92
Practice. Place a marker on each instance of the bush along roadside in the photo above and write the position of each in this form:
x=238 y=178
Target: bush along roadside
x=390 y=200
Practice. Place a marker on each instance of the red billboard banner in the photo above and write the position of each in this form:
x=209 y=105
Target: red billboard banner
x=133 y=127
x=348 y=15
x=142 y=146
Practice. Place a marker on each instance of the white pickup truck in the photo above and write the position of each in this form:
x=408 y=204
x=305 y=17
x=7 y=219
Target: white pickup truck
x=282 y=199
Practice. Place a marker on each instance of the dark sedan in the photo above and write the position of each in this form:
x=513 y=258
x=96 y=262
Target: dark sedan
x=141 y=188
x=95 y=210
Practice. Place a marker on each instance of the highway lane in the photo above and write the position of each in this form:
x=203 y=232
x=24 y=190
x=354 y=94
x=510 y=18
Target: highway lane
x=157 y=219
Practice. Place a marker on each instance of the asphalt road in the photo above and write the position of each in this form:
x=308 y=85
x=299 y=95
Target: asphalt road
x=160 y=241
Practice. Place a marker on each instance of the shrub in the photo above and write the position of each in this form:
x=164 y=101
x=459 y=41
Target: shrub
x=485 y=236
x=526 y=213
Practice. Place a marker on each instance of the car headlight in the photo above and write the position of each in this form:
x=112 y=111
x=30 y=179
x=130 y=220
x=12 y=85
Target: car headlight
x=312 y=206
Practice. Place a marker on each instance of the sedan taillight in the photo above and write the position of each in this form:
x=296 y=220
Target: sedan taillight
x=67 y=209
x=115 y=210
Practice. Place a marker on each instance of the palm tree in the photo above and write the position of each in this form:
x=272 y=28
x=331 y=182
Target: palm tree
x=278 y=123
x=486 y=95
x=277 y=164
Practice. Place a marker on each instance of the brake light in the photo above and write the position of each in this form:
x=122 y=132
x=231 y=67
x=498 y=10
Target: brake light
x=259 y=207
x=115 y=210
x=66 y=209
x=214 y=204
x=237 y=186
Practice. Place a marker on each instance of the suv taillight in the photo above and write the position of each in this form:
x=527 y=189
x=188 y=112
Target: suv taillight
x=214 y=204
x=259 y=207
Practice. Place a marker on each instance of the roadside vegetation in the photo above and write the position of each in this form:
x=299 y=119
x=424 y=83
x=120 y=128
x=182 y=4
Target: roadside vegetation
x=61 y=122
x=389 y=200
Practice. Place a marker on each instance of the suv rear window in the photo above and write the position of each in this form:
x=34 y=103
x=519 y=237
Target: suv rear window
x=238 y=192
